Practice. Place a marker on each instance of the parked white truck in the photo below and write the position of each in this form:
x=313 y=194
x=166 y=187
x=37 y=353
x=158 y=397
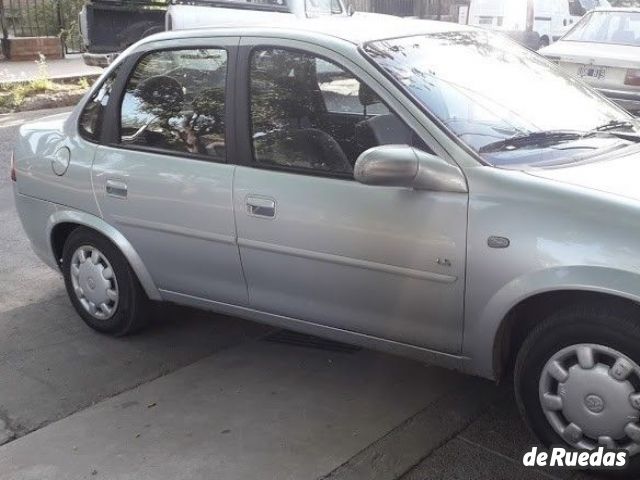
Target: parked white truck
x=203 y=13
x=535 y=23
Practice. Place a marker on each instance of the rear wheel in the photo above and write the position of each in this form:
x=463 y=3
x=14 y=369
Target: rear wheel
x=577 y=380
x=101 y=285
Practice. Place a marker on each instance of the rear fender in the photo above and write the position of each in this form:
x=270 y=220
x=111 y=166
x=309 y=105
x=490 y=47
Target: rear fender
x=96 y=223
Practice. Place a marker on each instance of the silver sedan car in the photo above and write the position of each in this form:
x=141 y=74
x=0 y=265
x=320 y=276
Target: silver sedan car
x=603 y=49
x=422 y=188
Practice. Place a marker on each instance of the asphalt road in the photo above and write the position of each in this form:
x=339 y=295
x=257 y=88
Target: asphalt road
x=51 y=365
x=222 y=397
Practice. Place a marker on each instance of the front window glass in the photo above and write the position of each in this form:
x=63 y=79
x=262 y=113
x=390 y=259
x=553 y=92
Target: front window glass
x=341 y=92
x=309 y=114
x=486 y=89
x=608 y=27
x=175 y=101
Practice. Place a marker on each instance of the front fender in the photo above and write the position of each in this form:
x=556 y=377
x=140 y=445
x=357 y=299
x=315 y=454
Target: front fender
x=481 y=330
x=96 y=223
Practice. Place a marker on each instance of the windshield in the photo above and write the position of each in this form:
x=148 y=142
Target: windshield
x=607 y=27
x=487 y=89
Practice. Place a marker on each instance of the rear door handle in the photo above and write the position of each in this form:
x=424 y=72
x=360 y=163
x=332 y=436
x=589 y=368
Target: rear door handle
x=261 y=207
x=116 y=189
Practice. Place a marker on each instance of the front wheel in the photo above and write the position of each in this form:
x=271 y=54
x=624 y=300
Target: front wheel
x=577 y=380
x=101 y=285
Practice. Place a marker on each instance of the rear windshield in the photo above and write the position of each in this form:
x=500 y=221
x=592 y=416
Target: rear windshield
x=622 y=28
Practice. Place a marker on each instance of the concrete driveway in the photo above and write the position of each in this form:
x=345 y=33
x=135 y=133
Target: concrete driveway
x=201 y=396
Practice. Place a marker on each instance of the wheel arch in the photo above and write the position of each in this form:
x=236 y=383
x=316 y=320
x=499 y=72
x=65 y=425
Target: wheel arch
x=523 y=317
x=489 y=323
x=62 y=223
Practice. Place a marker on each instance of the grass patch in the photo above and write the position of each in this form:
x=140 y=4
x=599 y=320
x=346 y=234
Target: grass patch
x=13 y=95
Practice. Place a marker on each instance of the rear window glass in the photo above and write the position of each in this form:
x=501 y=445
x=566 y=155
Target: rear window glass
x=175 y=101
x=92 y=116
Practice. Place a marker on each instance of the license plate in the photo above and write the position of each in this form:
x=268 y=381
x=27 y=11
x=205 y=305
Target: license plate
x=591 y=71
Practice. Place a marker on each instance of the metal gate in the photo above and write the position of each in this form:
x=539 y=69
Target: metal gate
x=43 y=18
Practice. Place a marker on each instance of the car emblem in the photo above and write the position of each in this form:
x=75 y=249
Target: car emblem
x=594 y=403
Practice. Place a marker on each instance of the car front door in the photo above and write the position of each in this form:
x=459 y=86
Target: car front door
x=162 y=176
x=317 y=246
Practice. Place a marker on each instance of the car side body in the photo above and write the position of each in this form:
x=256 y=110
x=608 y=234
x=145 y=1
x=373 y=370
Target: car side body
x=452 y=277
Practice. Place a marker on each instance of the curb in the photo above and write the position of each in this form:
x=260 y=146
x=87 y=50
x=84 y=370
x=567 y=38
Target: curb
x=92 y=77
x=50 y=100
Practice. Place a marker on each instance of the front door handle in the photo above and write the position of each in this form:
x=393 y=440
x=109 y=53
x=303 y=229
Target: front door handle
x=116 y=189
x=261 y=207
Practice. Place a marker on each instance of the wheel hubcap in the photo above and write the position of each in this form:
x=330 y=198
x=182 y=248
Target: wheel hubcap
x=589 y=394
x=94 y=283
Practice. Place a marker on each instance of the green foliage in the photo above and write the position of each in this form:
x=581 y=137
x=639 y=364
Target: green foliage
x=13 y=95
x=42 y=82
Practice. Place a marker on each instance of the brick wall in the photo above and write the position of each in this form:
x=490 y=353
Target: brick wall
x=29 y=48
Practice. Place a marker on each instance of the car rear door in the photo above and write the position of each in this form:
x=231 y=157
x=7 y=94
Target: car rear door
x=317 y=246
x=162 y=176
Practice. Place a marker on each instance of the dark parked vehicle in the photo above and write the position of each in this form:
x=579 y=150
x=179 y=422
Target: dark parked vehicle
x=110 y=26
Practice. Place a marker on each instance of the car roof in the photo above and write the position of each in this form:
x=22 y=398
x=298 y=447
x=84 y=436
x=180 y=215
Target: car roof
x=359 y=29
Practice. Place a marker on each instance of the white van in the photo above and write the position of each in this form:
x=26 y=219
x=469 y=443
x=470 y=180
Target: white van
x=202 y=13
x=548 y=20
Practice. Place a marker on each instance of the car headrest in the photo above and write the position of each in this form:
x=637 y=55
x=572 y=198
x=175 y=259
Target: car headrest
x=367 y=96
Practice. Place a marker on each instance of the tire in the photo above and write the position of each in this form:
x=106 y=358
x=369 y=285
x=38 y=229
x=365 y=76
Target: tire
x=544 y=42
x=609 y=326
x=124 y=315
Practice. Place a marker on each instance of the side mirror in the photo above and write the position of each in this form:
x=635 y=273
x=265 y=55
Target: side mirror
x=405 y=166
x=350 y=10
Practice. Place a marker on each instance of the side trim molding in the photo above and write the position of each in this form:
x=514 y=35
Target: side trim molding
x=350 y=262
x=182 y=231
x=96 y=223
